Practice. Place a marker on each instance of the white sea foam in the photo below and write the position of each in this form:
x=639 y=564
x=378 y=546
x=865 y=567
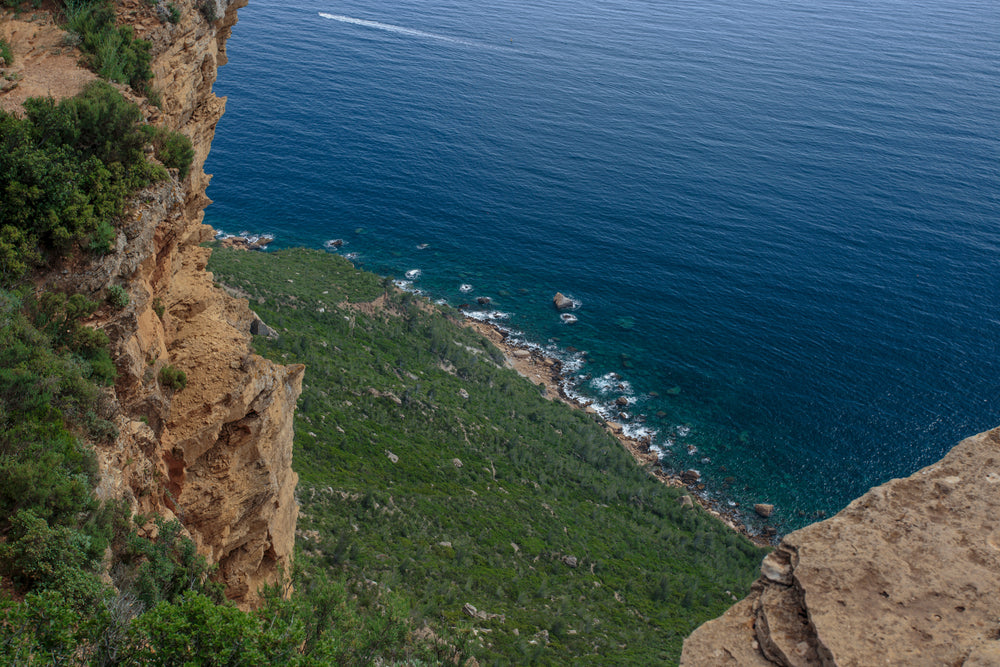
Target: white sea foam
x=611 y=383
x=406 y=286
x=486 y=315
x=638 y=431
x=400 y=30
x=412 y=274
x=465 y=288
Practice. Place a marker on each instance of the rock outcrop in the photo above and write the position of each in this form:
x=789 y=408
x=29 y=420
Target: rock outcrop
x=907 y=574
x=562 y=302
x=216 y=454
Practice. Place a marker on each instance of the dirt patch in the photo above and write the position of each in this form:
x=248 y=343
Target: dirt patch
x=46 y=64
x=370 y=308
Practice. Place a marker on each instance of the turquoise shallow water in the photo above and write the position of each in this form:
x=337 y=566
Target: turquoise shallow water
x=780 y=219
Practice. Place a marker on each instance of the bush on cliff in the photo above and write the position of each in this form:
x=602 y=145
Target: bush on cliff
x=110 y=50
x=173 y=149
x=66 y=171
x=5 y=54
x=173 y=378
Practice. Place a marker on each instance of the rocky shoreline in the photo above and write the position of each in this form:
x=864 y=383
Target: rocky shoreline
x=546 y=371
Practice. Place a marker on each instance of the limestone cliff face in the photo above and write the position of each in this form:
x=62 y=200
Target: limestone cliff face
x=908 y=574
x=217 y=454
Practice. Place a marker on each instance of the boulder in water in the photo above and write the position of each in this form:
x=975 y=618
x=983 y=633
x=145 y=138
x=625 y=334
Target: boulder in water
x=562 y=302
x=690 y=476
x=765 y=510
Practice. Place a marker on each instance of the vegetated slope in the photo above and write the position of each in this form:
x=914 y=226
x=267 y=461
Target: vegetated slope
x=428 y=468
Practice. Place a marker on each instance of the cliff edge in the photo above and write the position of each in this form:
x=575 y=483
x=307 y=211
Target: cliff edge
x=907 y=574
x=215 y=454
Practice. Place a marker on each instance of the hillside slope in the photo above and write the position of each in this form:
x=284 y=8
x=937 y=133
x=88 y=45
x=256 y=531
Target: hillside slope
x=513 y=524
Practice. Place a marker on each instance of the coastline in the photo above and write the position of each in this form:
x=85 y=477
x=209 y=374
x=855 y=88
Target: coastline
x=547 y=372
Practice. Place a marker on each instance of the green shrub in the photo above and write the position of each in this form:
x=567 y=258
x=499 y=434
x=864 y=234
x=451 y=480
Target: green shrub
x=172 y=377
x=5 y=54
x=158 y=307
x=155 y=97
x=111 y=51
x=173 y=13
x=173 y=149
x=39 y=555
x=208 y=10
x=102 y=239
x=165 y=568
x=66 y=171
x=117 y=297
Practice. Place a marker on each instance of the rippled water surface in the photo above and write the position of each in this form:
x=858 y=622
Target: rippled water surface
x=780 y=219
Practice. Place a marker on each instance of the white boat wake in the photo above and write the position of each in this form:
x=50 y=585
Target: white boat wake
x=388 y=27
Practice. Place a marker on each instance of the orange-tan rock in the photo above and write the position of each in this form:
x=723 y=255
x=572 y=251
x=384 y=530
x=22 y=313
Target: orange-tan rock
x=907 y=574
x=216 y=454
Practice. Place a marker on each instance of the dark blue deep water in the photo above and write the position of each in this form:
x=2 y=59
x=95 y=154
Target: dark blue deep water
x=780 y=217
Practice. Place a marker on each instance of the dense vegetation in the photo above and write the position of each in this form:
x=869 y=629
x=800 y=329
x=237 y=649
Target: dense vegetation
x=55 y=605
x=429 y=470
x=66 y=170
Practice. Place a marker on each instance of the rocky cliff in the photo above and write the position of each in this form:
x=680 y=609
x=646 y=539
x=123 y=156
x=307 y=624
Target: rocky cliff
x=217 y=453
x=907 y=574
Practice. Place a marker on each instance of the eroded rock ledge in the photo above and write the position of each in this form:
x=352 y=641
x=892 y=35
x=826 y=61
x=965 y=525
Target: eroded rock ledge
x=907 y=574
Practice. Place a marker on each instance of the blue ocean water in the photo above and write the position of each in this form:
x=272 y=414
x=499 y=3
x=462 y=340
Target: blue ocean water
x=780 y=219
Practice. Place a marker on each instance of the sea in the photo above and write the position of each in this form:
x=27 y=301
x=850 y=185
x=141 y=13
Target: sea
x=778 y=220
